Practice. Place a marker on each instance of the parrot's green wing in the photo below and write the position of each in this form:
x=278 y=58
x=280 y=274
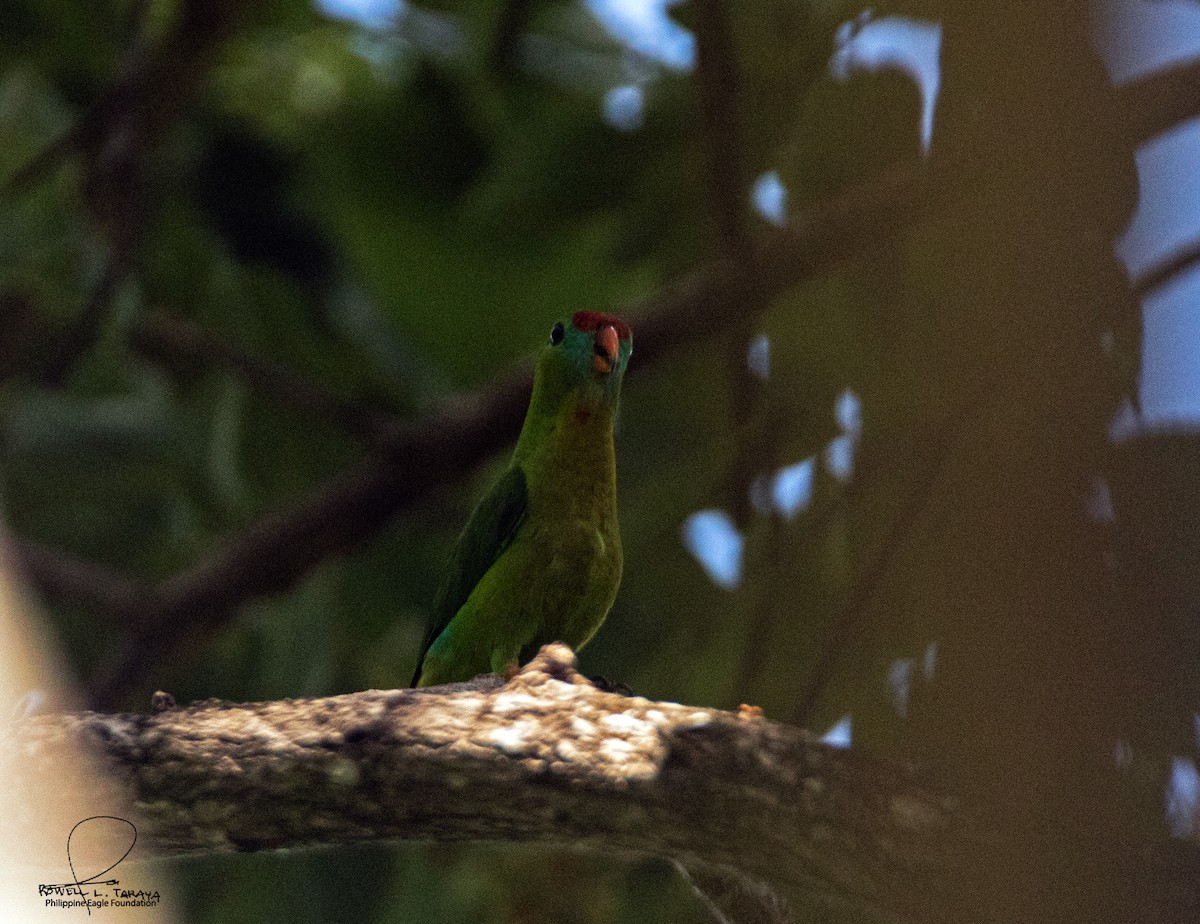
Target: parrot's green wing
x=487 y=534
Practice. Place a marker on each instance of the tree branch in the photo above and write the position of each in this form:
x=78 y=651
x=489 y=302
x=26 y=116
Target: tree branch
x=154 y=81
x=712 y=299
x=544 y=758
x=1174 y=265
x=716 y=80
x=1156 y=103
x=179 y=344
x=63 y=576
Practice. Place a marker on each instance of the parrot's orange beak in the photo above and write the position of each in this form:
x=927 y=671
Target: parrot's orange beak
x=606 y=349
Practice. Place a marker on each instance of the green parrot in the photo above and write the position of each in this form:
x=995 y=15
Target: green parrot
x=539 y=560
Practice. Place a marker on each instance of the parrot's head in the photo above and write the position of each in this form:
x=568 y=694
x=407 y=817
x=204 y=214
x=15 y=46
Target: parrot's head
x=592 y=350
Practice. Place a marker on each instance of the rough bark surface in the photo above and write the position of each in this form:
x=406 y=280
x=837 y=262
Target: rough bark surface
x=545 y=757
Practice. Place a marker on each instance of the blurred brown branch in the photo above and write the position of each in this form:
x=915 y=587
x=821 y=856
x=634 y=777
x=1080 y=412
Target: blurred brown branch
x=115 y=139
x=717 y=85
x=153 y=83
x=181 y=345
x=1158 y=275
x=545 y=758
x=1156 y=103
x=62 y=576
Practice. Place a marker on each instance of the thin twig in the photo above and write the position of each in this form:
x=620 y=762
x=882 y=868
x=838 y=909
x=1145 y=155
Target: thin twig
x=760 y=640
x=86 y=327
x=1175 y=264
x=62 y=576
x=937 y=453
x=115 y=136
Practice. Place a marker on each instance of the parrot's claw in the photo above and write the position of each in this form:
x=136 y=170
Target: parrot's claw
x=605 y=685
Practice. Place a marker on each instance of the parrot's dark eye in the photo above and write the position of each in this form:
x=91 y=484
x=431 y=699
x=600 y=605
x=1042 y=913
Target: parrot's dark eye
x=556 y=334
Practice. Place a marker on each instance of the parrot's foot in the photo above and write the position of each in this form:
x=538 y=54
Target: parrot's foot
x=556 y=660
x=162 y=701
x=611 y=686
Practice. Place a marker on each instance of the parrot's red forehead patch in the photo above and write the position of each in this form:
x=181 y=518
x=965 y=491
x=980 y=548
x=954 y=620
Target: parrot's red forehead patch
x=588 y=321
